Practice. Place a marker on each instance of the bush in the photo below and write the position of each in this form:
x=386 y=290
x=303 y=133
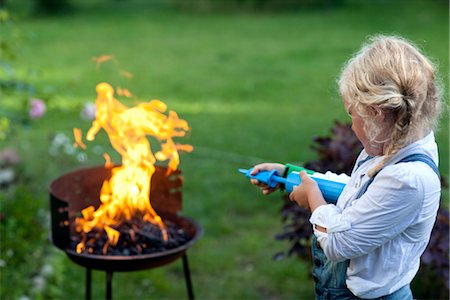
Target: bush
x=432 y=281
x=255 y=5
x=22 y=218
x=52 y=6
x=337 y=153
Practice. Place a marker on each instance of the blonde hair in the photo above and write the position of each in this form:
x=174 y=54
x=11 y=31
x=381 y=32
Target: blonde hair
x=390 y=75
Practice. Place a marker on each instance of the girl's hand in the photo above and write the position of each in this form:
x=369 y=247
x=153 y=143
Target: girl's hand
x=307 y=194
x=266 y=190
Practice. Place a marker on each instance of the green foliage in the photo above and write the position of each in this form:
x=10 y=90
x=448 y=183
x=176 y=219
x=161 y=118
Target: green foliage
x=7 y=36
x=4 y=127
x=9 y=41
x=52 y=6
x=11 y=82
x=23 y=220
x=255 y=5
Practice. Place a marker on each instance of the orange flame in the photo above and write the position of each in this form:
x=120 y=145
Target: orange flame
x=124 y=92
x=108 y=162
x=126 y=194
x=78 y=139
x=126 y=74
x=101 y=59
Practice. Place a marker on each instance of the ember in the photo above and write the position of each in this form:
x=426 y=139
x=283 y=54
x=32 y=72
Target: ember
x=136 y=237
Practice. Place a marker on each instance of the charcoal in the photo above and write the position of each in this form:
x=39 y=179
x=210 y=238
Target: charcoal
x=136 y=237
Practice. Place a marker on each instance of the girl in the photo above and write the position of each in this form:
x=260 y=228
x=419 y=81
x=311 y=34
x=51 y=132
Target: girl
x=369 y=244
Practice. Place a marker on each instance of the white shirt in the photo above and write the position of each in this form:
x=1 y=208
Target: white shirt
x=384 y=232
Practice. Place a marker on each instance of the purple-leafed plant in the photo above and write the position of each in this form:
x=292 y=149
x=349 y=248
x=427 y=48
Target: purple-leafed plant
x=338 y=153
x=432 y=280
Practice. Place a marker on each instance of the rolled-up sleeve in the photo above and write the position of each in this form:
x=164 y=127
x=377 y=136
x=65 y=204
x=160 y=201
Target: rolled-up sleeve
x=390 y=204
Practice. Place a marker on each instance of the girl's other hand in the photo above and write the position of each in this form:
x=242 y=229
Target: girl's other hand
x=266 y=190
x=307 y=194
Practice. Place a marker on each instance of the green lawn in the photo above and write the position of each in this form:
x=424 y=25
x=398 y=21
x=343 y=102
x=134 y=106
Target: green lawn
x=254 y=87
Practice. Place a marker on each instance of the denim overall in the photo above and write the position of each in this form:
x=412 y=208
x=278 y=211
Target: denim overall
x=330 y=276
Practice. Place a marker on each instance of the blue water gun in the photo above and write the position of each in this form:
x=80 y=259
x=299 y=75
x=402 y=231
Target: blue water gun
x=330 y=184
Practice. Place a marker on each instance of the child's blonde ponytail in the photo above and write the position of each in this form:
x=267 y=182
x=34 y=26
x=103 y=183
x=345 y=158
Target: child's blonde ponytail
x=391 y=76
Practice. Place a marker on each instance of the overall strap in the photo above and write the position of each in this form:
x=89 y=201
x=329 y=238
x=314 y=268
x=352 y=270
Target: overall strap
x=410 y=158
x=364 y=160
x=422 y=158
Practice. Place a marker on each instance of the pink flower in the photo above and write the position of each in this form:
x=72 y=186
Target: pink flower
x=37 y=108
x=9 y=157
x=88 y=112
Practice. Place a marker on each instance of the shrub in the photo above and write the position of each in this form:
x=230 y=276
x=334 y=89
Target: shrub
x=432 y=280
x=255 y=5
x=23 y=230
x=52 y=6
x=337 y=153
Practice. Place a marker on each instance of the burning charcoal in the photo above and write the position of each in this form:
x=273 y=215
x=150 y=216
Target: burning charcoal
x=132 y=235
x=105 y=248
x=136 y=237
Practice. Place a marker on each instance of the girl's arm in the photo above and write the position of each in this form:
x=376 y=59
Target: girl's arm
x=391 y=204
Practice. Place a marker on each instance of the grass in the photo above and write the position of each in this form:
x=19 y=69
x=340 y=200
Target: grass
x=254 y=87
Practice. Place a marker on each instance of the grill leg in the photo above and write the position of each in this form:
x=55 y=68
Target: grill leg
x=109 y=285
x=187 y=277
x=88 y=283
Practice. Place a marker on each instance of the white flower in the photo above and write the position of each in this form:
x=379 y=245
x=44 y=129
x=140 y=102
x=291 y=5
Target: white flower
x=6 y=176
x=9 y=253
x=47 y=270
x=69 y=150
x=81 y=157
x=97 y=149
x=88 y=112
x=38 y=283
x=60 y=139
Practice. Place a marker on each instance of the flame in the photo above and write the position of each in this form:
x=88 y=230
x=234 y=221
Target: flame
x=78 y=139
x=108 y=163
x=126 y=194
x=126 y=74
x=124 y=92
x=101 y=59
